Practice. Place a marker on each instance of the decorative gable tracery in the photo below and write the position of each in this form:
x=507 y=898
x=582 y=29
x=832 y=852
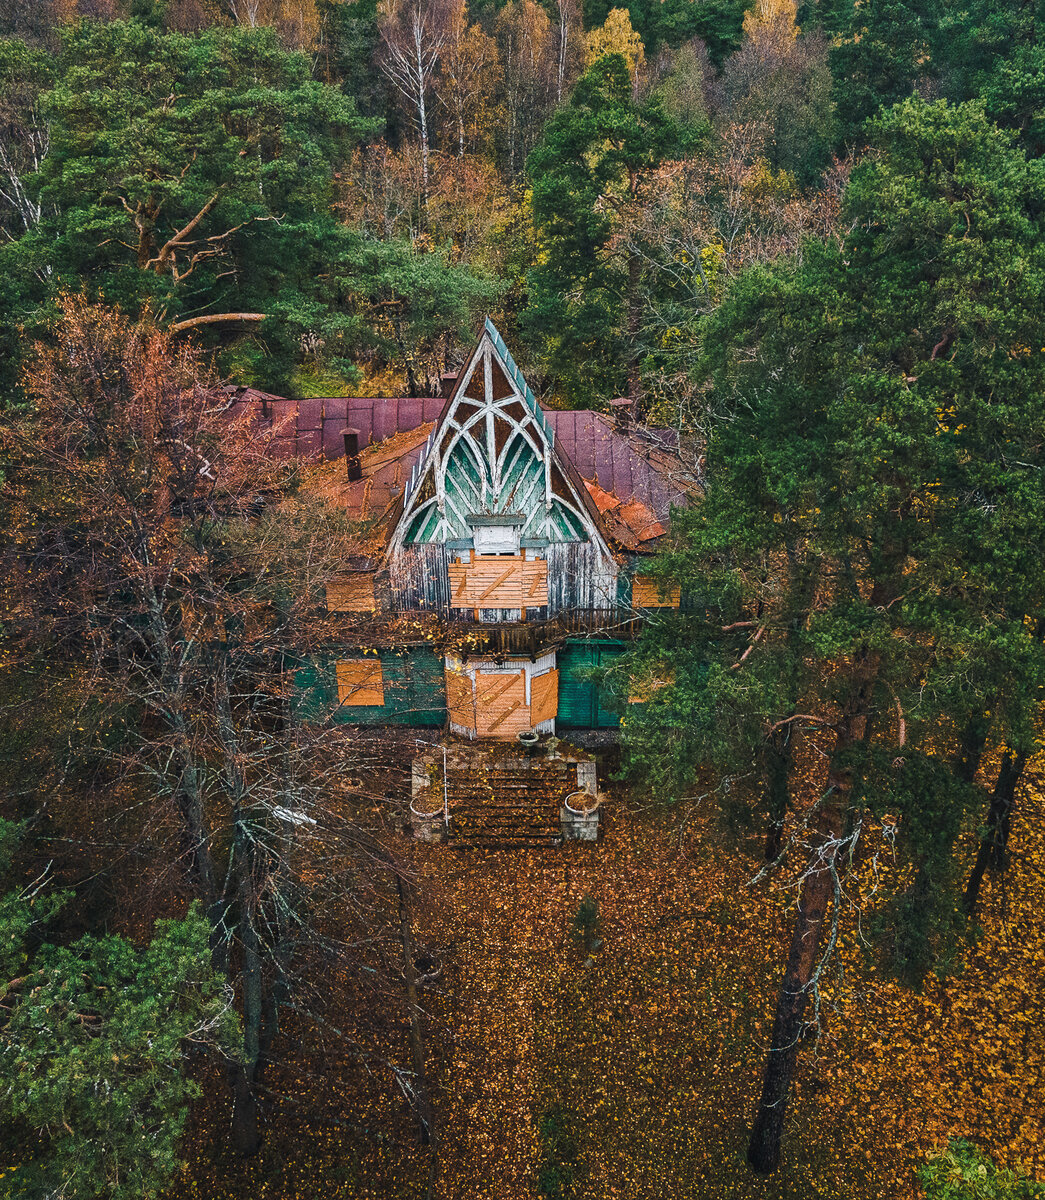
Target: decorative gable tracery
x=492 y=455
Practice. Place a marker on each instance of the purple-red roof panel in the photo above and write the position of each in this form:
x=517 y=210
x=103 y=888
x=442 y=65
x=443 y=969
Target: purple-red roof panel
x=587 y=438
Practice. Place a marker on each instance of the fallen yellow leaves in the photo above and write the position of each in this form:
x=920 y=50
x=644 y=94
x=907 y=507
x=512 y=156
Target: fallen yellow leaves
x=654 y=1041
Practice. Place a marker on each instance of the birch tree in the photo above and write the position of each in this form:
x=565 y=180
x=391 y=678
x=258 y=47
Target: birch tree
x=414 y=34
x=25 y=75
x=467 y=79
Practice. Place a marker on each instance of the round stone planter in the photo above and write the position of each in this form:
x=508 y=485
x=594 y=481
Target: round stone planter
x=528 y=740
x=427 y=826
x=582 y=803
x=579 y=817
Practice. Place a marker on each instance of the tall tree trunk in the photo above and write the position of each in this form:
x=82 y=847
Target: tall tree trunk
x=422 y=110
x=246 y=1135
x=281 y=921
x=777 y=766
x=814 y=903
x=779 y=748
x=993 y=848
x=634 y=323
x=422 y=1094
x=188 y=794
x=970 y=753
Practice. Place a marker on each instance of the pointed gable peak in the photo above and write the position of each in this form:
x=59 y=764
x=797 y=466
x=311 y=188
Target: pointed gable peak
x=492 y=456
x=503 y=356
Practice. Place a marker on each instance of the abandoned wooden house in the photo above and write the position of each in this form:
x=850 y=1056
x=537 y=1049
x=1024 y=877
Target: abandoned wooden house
x=505 y=549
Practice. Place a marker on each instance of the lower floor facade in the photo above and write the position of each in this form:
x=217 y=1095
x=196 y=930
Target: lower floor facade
x=477 y=696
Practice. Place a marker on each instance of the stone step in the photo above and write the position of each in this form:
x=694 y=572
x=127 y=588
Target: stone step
x=503 y=843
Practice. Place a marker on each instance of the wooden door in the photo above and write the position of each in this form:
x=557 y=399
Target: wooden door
x=501 y=710
x=460 y=700
x=544 y=697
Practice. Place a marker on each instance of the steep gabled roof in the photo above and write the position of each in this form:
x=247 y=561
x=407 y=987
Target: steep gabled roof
x=492 y=453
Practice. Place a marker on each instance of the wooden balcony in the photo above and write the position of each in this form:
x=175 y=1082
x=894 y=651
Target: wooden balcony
x=531 y=637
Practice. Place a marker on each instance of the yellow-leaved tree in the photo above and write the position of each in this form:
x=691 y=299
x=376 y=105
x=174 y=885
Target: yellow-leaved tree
x=616 y=36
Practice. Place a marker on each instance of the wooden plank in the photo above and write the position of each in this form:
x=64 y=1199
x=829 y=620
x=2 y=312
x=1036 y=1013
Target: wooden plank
x=544 y=697
x=360 y=682
x=497 y=583
x=458 y=573
x=352 y=593
x=498 y=690
x=504 y=716
x=646 y=594
x=500 y=704
x=460 y=699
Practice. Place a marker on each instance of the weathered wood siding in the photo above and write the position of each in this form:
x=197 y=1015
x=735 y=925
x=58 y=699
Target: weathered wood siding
x=579 y=578
x=418 y=578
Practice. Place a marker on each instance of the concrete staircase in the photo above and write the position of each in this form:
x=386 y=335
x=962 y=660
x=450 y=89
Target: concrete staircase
x=507 y=803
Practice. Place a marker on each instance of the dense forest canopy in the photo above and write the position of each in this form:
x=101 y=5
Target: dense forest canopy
x=808 y=237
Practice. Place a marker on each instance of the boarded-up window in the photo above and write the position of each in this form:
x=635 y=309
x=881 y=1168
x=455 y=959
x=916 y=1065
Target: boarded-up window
x=544 y=697
x=646 y=594
x=500 y=705
x=352 y=593
x=499 y=583
x=460 y=700
x=360 y=682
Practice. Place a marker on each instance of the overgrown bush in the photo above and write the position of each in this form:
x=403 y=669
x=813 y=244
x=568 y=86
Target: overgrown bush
x=963 y=1172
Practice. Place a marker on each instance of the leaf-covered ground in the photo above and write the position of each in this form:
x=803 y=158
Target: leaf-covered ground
x=632 y=1071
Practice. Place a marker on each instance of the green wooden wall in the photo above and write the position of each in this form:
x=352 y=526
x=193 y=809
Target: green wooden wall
x=579 y=701
x=415 y=692
x=415 y=688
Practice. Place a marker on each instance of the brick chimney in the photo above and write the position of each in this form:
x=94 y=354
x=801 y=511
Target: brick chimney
x=446 y=384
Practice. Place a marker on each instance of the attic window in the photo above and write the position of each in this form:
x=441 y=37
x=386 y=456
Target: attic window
x=495 y=537
x=360 y=682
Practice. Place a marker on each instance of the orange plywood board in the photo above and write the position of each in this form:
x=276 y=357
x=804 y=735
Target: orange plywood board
x=544 y=697
x=499 y=582
x=352 y=593
x=646 y=594
x=501 y=710
x=460 y=699
x=360 y=682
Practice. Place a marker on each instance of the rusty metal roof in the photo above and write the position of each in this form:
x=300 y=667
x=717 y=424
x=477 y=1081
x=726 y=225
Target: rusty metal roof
x=637 y=464
x=304 y=428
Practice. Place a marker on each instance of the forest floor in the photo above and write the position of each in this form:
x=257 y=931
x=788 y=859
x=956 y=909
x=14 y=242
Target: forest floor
x=632 y=1071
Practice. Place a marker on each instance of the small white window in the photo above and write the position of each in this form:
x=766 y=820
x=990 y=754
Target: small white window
x=496 y=539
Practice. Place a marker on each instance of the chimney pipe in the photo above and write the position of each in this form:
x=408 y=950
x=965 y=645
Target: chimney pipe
x=620 y=407
x=355 y=470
